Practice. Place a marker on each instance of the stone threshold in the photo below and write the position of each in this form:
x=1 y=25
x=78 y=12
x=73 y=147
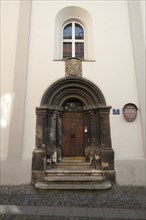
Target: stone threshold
x=72 y=170
x=74 y=185
x=79 y=178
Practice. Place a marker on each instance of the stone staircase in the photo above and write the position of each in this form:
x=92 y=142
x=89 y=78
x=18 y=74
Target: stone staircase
x=74 y=173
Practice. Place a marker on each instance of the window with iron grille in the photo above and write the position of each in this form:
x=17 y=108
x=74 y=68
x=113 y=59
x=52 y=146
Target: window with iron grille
x=73 y=40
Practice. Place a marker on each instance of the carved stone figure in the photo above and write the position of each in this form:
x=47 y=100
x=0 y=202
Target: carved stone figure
x=73 y=67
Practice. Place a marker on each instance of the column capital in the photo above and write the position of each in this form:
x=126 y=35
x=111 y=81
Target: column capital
x=41 y=110
x=104 y=110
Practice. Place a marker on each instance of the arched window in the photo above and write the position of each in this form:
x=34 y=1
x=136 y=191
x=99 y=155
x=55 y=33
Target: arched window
x=73 y=40
x=83 y=20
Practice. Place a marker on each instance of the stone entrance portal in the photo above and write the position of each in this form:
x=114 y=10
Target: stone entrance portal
x=72 y=121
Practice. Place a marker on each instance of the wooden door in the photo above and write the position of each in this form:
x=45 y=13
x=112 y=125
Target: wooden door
x=73 y=134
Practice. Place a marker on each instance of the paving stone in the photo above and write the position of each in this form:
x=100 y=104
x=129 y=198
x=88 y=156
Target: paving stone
x=95 y=212
x=45 y=210
x=111 y=213
x=30 y=210
x=124 y=197
x=61 y=211
x=141 y=214
x=11 y=209
x=78 y=212
x=128 y=214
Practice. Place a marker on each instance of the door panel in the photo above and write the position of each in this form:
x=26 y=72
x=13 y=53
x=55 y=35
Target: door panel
x=73 y=134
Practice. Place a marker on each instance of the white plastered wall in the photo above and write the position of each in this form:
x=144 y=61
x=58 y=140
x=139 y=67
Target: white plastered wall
x=113 y=72
x=9 y=26
x=15 y=37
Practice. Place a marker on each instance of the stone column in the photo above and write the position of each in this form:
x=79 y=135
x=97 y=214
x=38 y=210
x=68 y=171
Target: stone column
x=105 y=139
x=107 y=153
x=59 y=135
x=39 y=153
x=41 y=126
x=93 y=151
x=93 y=128
x=53 y=118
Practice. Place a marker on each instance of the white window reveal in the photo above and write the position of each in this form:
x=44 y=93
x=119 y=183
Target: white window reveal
x=73 y=40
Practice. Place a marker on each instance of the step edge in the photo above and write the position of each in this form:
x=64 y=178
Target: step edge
x=98 y=186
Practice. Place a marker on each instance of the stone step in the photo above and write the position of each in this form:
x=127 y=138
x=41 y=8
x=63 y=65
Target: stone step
x=73 y=159
x=75 y=178
x=70 y=166
x=92 y=186
x=72 y=172
x=73 y=164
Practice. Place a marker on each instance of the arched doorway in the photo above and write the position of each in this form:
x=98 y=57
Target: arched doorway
x=73 y=118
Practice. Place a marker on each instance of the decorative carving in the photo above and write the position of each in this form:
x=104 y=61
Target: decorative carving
x=53 y=156
x=93 y=155
x=130 y=112
x=73 y=67
x=79 y=88
x=73 y=106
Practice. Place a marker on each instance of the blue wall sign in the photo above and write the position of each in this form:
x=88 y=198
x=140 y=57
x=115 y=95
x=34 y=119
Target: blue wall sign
x=116 y=111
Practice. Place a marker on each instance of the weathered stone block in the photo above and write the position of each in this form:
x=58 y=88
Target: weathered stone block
x=39 y=159
x=110 y=175
x=93 y=155
x=107 y=156
x=37 y=176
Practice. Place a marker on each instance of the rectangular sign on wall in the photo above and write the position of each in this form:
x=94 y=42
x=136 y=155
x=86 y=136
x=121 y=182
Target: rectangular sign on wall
x=116 y=111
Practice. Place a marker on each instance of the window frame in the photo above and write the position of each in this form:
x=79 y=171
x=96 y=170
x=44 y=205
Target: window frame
x=73 y=41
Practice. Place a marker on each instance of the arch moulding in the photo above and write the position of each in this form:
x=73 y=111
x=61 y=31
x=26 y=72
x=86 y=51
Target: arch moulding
x=73 y=88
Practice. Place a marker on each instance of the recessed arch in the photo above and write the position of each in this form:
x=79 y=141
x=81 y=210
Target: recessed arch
x=80 y=15
x=73 y=120
x=73 y=88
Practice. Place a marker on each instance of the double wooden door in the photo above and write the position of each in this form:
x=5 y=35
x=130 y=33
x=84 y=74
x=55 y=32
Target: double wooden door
x=73 y=134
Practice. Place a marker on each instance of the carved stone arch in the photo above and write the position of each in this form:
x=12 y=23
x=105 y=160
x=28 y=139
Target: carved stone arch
x=91 y=112
x=71 y=87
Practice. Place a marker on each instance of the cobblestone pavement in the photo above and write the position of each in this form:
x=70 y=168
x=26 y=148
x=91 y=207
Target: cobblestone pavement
x=127 y=197
x=118 y=197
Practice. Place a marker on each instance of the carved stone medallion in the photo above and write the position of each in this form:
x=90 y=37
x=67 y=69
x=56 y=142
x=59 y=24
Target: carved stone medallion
x=130 y=112
x=73 y=67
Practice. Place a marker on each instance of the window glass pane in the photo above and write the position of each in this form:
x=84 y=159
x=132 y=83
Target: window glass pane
x=73 y=105
x=67 y=50
x=67 y=31
x=79 y=50
x=79 y=32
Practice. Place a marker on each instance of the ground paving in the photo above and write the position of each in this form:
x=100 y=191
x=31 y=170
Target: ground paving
x=26 y=202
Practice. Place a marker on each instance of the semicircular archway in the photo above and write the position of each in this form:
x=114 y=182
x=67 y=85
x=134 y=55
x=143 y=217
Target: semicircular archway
x=73 y=120
x=73 y=88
